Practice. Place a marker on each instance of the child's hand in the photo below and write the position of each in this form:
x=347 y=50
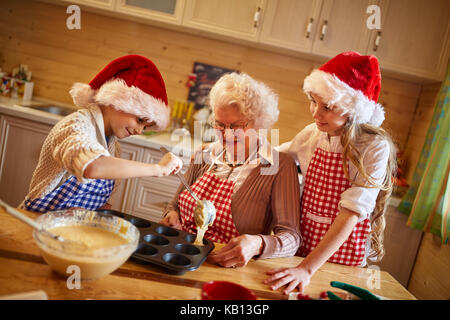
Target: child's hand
x=170 y=164
x=292 y=277
x=172 y=219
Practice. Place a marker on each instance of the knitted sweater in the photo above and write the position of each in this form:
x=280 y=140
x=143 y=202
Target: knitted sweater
x=72 y=144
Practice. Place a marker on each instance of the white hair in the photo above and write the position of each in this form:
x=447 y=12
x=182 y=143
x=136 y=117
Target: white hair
x=256 y=101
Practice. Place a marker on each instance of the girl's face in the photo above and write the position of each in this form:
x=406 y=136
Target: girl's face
x=327 y=119
x=122 y=124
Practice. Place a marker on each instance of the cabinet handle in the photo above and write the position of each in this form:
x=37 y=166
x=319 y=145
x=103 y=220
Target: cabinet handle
x=377 y=41
x=256 y=17
x=309 y=27
x=324 y=29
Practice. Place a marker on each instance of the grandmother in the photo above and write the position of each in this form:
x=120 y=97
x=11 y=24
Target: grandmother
x=255 y=189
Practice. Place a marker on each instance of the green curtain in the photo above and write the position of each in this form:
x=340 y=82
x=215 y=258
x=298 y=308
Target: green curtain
x=427 y=200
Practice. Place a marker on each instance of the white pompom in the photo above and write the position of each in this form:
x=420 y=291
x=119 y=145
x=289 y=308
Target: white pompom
x=377 y=115
x=82 y=94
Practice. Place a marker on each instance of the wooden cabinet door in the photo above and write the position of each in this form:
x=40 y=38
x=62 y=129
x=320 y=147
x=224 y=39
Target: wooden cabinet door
x=342 y=26
x=414 y=37
x=401 y=244
x=153 y=193
x=160 y=10
x=123 y=197
x=100 y=4
x=234 y=18
x=20 y=146
x=291 y=24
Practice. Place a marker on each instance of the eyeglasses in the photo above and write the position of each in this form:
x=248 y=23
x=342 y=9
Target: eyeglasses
x=222 y=127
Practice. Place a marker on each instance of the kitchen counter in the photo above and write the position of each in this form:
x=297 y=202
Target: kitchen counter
x=179 y=141
x=22 y=269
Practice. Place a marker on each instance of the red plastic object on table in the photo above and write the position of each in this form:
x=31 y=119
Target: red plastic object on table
x=302 y=296
x=224 y=290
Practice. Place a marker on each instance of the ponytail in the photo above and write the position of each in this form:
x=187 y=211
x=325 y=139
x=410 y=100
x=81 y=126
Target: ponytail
x=352 y=133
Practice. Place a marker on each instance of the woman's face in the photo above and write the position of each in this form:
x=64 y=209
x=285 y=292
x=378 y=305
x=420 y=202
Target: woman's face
x=122 y=124
x=327 y=119
x=234 y=129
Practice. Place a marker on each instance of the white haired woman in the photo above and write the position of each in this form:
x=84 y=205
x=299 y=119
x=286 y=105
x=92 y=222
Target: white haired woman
x=255 y=189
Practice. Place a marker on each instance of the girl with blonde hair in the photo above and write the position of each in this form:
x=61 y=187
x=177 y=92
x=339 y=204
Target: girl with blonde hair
x=348 y=163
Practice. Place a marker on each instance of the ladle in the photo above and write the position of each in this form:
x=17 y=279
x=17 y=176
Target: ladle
x=208 y=205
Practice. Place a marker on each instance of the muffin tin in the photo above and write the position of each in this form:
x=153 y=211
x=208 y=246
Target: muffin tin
x=169 y=248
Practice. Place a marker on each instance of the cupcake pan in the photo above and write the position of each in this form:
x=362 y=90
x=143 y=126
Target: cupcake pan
x=171 y=249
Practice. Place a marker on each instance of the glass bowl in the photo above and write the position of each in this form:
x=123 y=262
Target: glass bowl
x=93 y=263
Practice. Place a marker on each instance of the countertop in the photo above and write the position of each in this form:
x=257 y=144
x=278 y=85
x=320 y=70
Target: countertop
x=179 y=141
x=22 y=269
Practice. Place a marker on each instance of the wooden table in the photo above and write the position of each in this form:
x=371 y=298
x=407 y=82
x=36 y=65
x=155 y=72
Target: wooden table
x=22 y=269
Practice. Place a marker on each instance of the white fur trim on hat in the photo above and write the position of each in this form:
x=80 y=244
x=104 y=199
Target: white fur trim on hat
x=337 y=93
x=120 y=96
x=82 y=94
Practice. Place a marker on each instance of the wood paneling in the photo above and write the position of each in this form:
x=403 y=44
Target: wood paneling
x=419 y=127
x=430 y=278
x=35 y=33
x=20 y=147
x=431 y=274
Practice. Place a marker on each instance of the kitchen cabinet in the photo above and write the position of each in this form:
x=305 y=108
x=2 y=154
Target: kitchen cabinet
x=322 y=27
x=399 y=241
x=414 y=37
x=234 y=18
x=291 y=24
x=123 y=195
x=166 y=11
x=342 y=27
x=160 y=10
x=99 y=4
x=413 y=42
x=20 y=146
x=145 y=197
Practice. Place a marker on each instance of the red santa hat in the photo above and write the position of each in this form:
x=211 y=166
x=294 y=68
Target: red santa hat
x=351 y=82
x=131 y=84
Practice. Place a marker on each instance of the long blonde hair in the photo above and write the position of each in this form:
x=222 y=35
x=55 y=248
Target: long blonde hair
x=352 y=134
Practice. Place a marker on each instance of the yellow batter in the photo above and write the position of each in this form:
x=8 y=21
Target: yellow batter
x=92 y=237
x=95 y=239
x=200 y=216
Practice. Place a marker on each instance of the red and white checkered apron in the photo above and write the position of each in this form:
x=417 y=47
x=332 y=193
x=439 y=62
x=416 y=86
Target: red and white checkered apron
x=324 y=184
x=219 y=191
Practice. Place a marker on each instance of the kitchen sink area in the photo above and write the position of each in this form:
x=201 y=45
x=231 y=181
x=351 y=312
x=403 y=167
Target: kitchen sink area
x=52 y=108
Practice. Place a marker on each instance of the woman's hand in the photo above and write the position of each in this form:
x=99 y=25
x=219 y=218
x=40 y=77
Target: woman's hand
x=238 y=252
x=292 y=277
x=170 y=164
x=172 y=219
